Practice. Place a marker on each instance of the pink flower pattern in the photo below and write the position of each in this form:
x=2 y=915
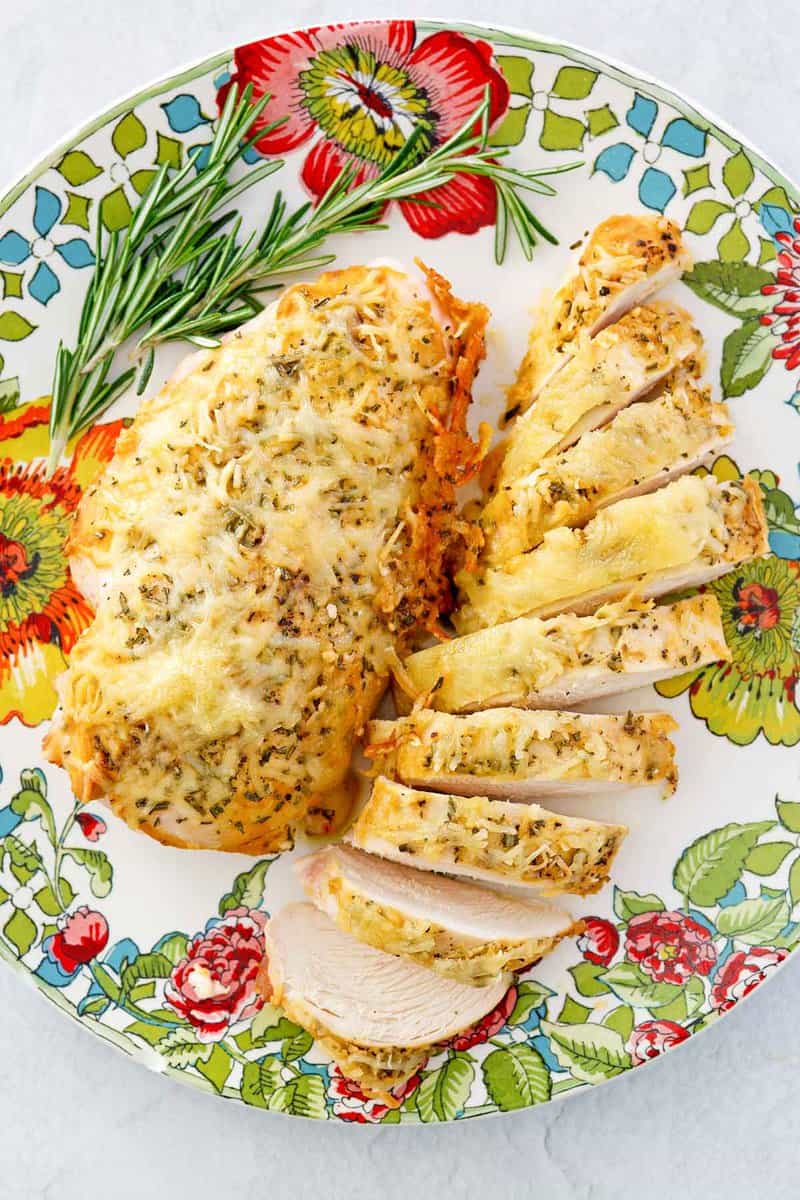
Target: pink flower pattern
x=742 y=973
x=652 y=1038
x=214 y=985
x=361 y=90
x=599 y=941
x=669 y=946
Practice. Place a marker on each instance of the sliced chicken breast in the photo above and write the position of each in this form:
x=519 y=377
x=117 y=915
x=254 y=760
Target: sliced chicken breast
x=643 y=447
x=483 y=838
x=377 y=1015
x=522 y=755
x=684 y=535
x=626 y=259
x=567 y=660
x=622 y=364
x=460 y=930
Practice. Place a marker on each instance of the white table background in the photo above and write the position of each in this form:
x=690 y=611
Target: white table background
x=716 y=1119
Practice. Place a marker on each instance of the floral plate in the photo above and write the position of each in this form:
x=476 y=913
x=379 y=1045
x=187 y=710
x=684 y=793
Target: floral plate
x=156 y=950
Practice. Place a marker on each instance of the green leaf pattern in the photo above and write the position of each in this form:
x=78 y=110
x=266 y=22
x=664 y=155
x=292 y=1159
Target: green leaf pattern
x=590 y=1052
x=629 y=982
x=516 y=1077
x=181 y=1049
x=709 y=868
x=444 y=1092
x=746 y=357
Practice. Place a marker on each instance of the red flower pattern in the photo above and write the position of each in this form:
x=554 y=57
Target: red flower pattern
x=652 y=1038
x=785 y=315
x=81 y=936
x=669 y=946
x=42 y=612
x=489 y=1025
x=599 y=941
x=215 y=984
x=756 y=608
x=743 y=972
x=365 y=87
x=91 y=827
x=351 y=1104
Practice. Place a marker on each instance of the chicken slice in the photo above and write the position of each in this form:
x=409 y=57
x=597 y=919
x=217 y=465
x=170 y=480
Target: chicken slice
x=567 y=660
x=460 y=930
x=525 y=755
x=643 y=447
x=483 y=838
x=622 y=364
x=377 y=1015
x=687 y=533
x=626 y=259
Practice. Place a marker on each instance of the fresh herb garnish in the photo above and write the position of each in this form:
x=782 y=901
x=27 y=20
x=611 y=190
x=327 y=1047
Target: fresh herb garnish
x=176 y=234
x=180 y=273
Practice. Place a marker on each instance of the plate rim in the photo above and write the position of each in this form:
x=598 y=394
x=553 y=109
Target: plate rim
x=522 y=38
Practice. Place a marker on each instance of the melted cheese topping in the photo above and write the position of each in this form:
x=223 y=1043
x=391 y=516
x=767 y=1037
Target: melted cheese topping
x=516 y=662
x=685 y=533
x=607 y=373
x=644 y=446
x=270 y=528
x=428 y=942
x=467 y=933
x=487 y=839
x=505 y=745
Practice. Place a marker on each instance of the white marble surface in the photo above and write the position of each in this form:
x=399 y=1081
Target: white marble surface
x=714 y=1120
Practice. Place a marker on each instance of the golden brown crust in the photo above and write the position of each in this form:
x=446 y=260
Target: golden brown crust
x=753 y=531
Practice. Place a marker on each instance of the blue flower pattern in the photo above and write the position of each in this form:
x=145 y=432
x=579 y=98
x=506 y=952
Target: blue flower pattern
x=656 y=186
x=184 y=114
x=15 y=249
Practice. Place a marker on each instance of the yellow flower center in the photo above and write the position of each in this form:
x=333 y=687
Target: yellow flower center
x=370 y=108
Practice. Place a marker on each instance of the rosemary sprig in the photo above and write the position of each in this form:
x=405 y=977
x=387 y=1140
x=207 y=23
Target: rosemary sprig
x=176 y=224
x=181 y=273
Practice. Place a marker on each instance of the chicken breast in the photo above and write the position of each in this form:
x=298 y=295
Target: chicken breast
x=626 y=259
x=691 y=531
x=567 y=660
x=644 y=447
x=522 y=755
x=483 y=838
x=623 y=363
x=273 y=526
x=377 y=1015
x=460 y=930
